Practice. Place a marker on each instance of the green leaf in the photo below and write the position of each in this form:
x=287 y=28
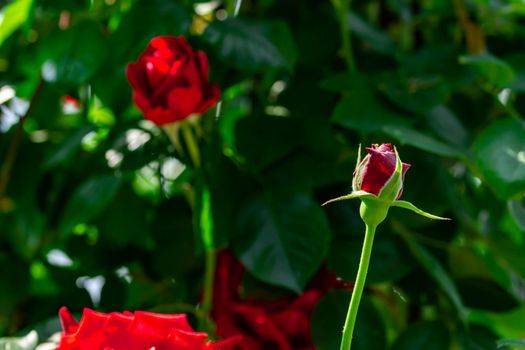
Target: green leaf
x=173 y=237
x=72 y=56
x=329 y=316
x=157 y=17
x=281 y=136
x=252 y=45
x=26 y=231
x=517 y=210
x=371 y=36
x=485 y=294
x=506 y=324
x=390 y=259
x=13 y=16
x=345 y=81
x=362 y=110
x=412 y=137
x=480 y=263
x=410 y=206
x=27 y=342
x=282 y=238
x=417 y=94
x=439 y=274
x=88 y=201
x=476 y=337
x=510 y=255
x=496 y=71
x=500 y=154
x=16 y=271
x=124 y=221
x=517 y=62
x=280 y=34
x=428 y=335
x=447 y=126
x=66 y=150
x=514 y=343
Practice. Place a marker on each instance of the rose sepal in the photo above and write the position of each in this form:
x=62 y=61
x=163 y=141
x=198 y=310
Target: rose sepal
x=412 y=207
x=354 y=194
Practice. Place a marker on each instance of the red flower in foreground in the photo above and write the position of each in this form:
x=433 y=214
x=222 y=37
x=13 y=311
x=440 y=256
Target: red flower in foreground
x=282 y=324
x=374 y=171
x=133 y=331
x=170 y=81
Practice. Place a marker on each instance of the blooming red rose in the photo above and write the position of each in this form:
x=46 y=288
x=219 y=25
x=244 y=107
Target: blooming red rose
x=282 y=324
x=133 y=331
x=170 y=81
x=374 y=171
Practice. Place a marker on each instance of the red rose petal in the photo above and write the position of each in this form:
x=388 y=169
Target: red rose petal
x=259 y=323
x=135 y=331
x=136 y=75
x=141 y=101
x=171 y=81
x=213 y=96
x=202 y=63
x=282 y=324
x=376 y=168
x=161 y=116
x=69 y=324
x=184 y=100
x=156 y=71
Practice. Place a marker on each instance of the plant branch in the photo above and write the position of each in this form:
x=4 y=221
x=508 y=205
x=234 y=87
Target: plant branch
x=12 y=152
x=342 y=8
x=191 y=143
x=474 y=35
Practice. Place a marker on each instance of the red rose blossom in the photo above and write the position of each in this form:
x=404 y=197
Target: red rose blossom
x=282 y=324
x=133 y=331
x=170 y=81
x=374 y=171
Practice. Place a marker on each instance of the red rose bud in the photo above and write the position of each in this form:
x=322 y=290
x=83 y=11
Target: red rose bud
x=373 y=173
x=170 y=81
x=133 y=331
x=378 y=182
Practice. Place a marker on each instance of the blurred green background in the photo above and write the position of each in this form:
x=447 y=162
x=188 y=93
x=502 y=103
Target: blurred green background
x=93 y=208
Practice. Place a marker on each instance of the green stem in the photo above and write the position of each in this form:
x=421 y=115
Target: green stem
x=351 y=316
x=206 y=229
x=187 y=132
x=205 y=225
x=207 y=298
x=342 y=7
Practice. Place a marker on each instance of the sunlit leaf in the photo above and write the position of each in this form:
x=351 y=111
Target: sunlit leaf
x=14 y=15
x=500 y=154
